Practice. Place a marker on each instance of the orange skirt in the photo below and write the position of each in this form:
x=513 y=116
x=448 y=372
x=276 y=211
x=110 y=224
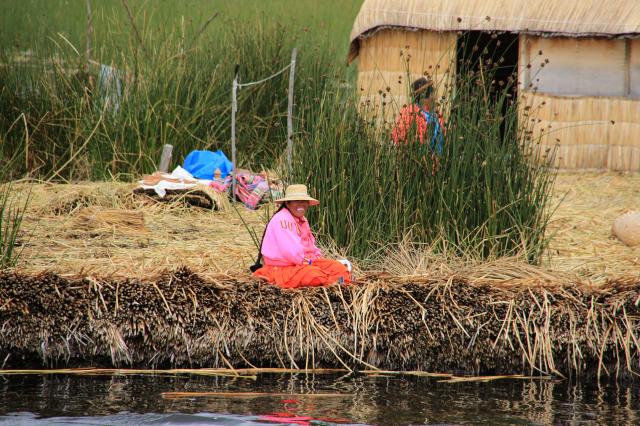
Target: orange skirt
x=320 y=272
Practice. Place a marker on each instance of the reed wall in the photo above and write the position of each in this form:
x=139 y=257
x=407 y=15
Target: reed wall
x=582 y=95
x=587 y=132
x=391 y=59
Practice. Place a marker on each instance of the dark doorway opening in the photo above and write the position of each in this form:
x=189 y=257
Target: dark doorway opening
x=496 y=55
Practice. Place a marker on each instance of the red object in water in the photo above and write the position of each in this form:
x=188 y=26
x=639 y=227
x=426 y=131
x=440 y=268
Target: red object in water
x=287 y=418
x=291 y=417
x=294 y=419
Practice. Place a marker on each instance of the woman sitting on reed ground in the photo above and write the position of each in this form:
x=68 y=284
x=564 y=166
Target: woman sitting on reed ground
x=291 y=258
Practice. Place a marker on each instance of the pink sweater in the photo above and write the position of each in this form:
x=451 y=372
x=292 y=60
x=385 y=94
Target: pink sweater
x=288 y=241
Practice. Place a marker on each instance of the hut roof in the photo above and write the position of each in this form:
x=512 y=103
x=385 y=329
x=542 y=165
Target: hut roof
x=575 y=18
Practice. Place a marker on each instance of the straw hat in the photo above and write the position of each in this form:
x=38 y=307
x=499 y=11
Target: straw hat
x=298 y=193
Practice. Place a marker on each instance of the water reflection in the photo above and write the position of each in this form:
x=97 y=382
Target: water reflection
x=364 y=399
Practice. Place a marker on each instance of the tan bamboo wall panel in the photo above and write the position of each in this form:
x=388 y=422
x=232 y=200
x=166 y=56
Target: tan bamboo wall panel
x=389 y=49
x=624 y=137
x=569 y=66
x=390 y=60
x=587 y=132
x=590 y=157
x=572 y=109
x=624 y=158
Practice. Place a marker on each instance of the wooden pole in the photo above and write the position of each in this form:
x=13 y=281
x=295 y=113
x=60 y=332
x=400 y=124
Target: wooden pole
x=89 y=42
x=234 y=109
x=165 y=159
x=292 y=73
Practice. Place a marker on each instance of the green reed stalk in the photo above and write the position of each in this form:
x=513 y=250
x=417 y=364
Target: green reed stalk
x=172 y=96
x=486 y=193
x=12 y=212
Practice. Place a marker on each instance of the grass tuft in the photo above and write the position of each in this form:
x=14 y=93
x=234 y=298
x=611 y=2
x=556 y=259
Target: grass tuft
x=12 y=211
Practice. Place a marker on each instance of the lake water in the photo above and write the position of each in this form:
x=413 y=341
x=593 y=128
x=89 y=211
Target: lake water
x=280 y=399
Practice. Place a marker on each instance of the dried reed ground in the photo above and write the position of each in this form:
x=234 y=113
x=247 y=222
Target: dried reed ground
x=62 y=236
x=82 y=230
x=581 y=227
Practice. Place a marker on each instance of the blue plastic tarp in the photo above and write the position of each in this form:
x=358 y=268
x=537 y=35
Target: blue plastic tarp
x=202 y=164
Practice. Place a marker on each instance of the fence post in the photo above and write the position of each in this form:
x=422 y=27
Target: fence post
x=234 y=109
x=292 y=73
x=89 y=42
x=165 y=158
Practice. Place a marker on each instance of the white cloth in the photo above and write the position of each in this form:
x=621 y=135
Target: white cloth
x=180 y=173
x=346 y=263
x=161 y=187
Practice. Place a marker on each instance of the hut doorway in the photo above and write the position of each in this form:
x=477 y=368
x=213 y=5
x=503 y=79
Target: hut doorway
x=496 y=51
x=493 y=53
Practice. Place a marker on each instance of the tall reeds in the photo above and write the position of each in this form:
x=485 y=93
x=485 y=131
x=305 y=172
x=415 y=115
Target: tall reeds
x=486 y=193
x=60 y=121
x=12 y=211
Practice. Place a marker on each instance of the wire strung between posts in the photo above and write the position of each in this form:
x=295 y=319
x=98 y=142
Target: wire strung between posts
x=264 y=79
x=234 y=109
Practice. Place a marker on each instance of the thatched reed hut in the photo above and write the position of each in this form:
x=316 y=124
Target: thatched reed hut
x=586 y=98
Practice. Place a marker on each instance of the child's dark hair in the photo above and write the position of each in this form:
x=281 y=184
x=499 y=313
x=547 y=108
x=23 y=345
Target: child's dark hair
x=421 y=88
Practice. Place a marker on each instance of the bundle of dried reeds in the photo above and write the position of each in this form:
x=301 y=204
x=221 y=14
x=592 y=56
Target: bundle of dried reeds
x=95 y=219
x=202 y=197
x=393 y=323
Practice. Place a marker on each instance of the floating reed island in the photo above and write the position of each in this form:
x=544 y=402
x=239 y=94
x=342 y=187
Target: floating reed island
x=459 y=325
x=109 y=278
